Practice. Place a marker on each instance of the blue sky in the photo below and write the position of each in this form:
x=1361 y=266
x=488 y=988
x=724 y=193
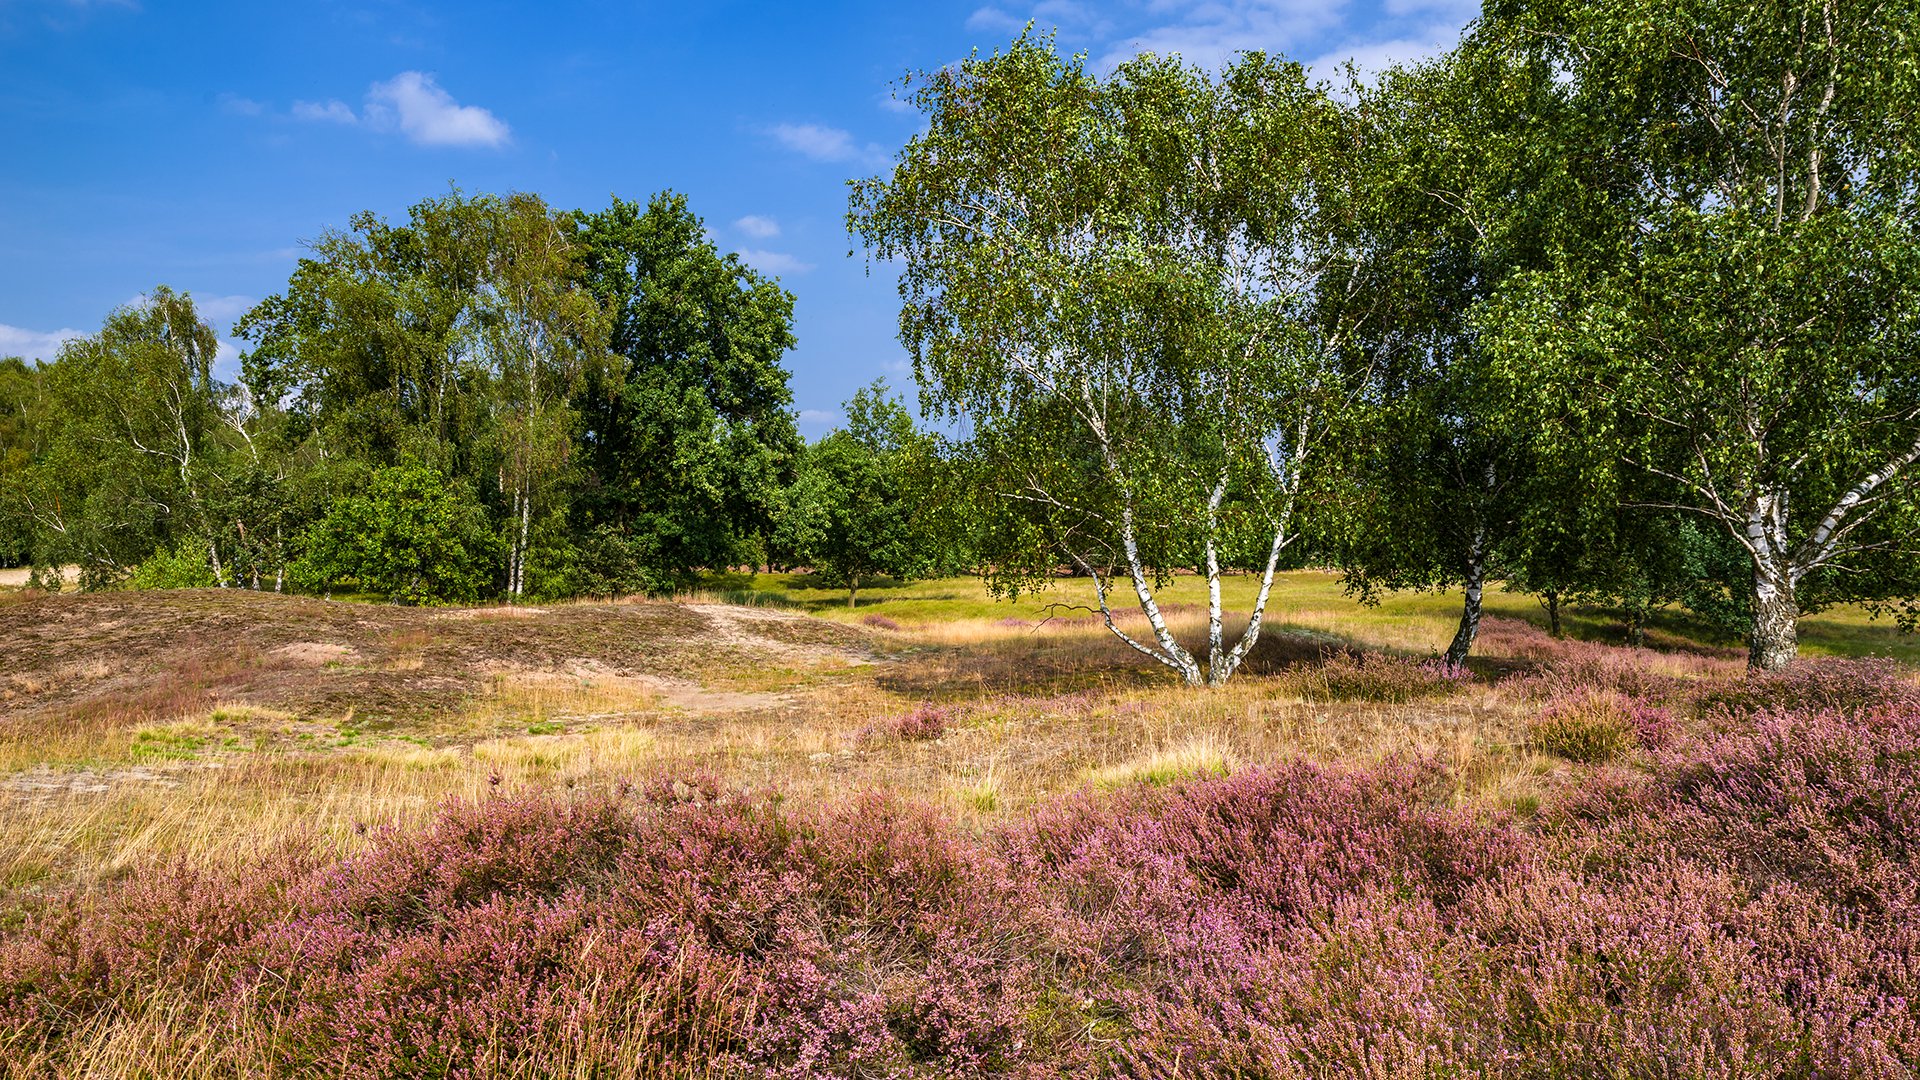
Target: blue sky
x=199 y=145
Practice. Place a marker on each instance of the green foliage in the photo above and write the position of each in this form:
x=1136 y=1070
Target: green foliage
x=1124 y=285
x=137 y=441
x=22 y=430
x=1737 y=299
x=686 y=439
x=184 y=567
x=850 y=514
x=410 y=533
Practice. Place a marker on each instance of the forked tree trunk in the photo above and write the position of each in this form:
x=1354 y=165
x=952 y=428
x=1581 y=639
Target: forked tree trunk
x=1470 y=609
x=1775 y=639
x=1551 y=601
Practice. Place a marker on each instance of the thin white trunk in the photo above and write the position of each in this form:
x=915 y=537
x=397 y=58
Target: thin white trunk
x=520 y=548
x=1216 y=653
x=213 y=556
x=1177 y=657
x=1222 y=672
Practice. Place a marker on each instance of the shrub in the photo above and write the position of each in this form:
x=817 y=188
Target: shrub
x=1747 y=907
x=1592 y=728
x=880 y=622
x=925 y=722
x=184 y=567
x=1351 y=675
x=413 y=535
x=1818 y=685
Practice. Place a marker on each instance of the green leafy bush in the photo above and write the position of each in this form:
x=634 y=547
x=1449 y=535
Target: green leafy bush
x=184 y=567
x=412 y=534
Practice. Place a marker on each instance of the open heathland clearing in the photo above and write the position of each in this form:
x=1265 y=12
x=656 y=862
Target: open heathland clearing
x=251 y=834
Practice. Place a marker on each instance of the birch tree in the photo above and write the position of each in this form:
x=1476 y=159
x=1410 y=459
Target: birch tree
x=533 y=329
x=137 y=439
x=1748 y=306
x=1126 y=287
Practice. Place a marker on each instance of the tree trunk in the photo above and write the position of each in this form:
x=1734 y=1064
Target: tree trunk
x=1775 y=639
x=853 y=591
x=1470 y=609
x=1637 y=627
x=1551 y=598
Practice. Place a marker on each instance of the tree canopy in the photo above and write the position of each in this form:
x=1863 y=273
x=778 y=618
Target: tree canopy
x=1129 y=287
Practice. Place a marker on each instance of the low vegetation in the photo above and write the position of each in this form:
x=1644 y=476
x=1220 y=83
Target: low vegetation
x=250 y=834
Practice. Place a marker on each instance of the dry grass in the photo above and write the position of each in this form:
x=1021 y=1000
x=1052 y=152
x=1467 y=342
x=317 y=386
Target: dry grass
x=208 y=725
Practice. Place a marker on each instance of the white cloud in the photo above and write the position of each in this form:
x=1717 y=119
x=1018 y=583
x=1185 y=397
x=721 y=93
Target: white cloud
x=332 y=111
x=992 y=18
x=222 y=309
x=34 y=344
x=757 y=226
x=1374 y=57
x=226 y=361
x=775 y=262
x=1211 y=33
x=818 y=416
x=822 y=143
x=415 y=105
x=236 y=105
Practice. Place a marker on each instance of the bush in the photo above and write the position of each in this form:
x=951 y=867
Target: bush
x=926 y=722
x=1592 y=728
x=1363 y=676
x=1818 y=685
x=185 y=567
x=413 y=535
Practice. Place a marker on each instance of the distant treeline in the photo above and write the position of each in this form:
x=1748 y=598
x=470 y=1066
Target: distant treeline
x=491 y=399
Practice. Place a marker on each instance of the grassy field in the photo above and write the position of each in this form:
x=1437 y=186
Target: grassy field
x=200 y=729
x=205 y=724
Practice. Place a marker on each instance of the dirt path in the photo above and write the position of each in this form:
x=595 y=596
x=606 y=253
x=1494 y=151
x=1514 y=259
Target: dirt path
x=17 y=578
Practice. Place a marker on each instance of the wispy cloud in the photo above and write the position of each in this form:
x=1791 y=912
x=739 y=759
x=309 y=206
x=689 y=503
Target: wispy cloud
x=775 y=262
x=994 y=19
x=236 y=105
x=222 y=309
x=818 y=416
x=1211 y=33
x=34 y=344
x=413 y=104
x=332 y=111
x=827 y=144
x=758 y=227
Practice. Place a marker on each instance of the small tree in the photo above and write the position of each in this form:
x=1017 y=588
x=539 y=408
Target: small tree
x=850 y=514
x=410 y=533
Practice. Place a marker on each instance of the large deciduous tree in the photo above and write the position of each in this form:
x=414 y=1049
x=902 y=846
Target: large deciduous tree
x=1126 y=285
x=687 y=437
x=1452 y=471
x=1749 y=300
x=459 y=339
